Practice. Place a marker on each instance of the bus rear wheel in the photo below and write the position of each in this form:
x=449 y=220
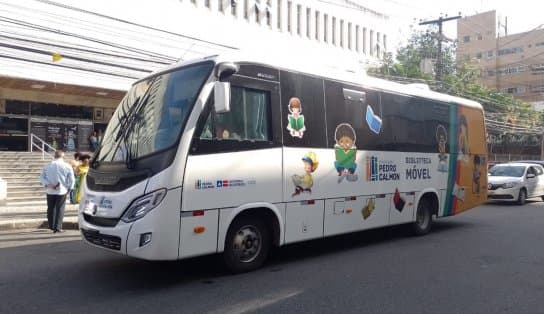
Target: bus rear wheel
x=424 y=218
x=246 y=245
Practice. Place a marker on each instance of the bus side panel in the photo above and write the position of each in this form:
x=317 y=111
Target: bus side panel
x=467 y=182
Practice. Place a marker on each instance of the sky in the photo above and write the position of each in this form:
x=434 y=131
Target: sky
x=523 y=15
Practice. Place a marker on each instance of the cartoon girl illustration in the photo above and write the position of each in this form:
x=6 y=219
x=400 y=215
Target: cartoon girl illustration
x=441 y=138
x=463 y=139
x=345 y=152
x=305 y=182
x=295 y=121
x=476 y=175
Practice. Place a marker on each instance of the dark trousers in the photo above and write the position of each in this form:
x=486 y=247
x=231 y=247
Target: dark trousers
x=55 y=210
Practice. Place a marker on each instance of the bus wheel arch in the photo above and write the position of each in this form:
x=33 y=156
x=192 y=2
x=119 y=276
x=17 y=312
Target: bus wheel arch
x=427 y=206
x=249 y=237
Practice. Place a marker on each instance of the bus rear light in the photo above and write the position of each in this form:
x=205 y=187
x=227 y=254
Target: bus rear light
x=198 y=213
x=348 y=210
x=199 y=229
x=308 y=202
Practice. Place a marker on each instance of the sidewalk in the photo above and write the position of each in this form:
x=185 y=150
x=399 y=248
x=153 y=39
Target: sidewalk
x=34 y=216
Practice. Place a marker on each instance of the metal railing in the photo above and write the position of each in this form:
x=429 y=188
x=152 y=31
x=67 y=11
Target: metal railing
x=41 y=145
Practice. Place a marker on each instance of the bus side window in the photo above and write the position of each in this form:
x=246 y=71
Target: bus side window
x=302 y=104
x=242 y=128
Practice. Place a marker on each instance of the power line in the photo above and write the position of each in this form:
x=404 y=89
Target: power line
x=131 y=23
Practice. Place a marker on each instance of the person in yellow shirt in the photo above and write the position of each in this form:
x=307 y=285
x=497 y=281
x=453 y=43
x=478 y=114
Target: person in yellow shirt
x=81 y=172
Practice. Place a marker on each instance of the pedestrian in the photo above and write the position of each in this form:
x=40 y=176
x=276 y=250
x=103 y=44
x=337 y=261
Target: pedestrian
x=75 y=164
x=58 y=179
x=93 y=141
x=81 y=173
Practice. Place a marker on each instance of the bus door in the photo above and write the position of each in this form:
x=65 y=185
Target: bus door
x=235 y=159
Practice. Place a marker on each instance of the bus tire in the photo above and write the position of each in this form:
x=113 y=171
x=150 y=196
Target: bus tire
x=424 y=218
x=246 y=245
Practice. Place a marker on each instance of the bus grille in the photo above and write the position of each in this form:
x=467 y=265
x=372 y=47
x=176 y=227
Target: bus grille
x=104 y=240
x=101 y=221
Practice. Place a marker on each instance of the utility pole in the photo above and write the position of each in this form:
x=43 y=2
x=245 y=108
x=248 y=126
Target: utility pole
x=439 y=21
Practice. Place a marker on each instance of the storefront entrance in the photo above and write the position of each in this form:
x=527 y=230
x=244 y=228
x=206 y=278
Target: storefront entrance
x=13 y=133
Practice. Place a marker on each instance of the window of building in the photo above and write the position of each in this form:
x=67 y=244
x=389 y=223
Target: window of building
x=378 y=45
x=466 y=39
x=372 y=47
x=490 y=54
x=490 y=73
x=357 y=40
x=299 y=19
x=317 y=26
x=384 y=43
x=342 y=35
x=479 y=36
x=540 y=44
x=279 y=14
x=233 y=4
x=308 y=22
x=246 y=9
x=478 y=55
x=334 y=31
x=289 y=15
x=349 y=36
x=325 y=28
x=268 y=13
x=258 y=11
x=220 y=6
x=365 y=48
x=508 y=51
x=207 y=3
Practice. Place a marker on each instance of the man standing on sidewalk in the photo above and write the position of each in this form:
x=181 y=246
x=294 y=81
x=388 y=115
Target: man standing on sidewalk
x=58 y=179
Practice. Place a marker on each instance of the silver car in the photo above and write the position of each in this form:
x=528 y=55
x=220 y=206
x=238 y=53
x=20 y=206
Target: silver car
x=515 y=182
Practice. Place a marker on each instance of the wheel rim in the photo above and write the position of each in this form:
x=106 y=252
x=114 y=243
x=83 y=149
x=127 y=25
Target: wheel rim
x=422 y=218
x=247 y=243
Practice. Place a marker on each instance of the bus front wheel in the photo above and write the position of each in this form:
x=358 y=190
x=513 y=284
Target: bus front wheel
x=246 y=245
x=424 y=218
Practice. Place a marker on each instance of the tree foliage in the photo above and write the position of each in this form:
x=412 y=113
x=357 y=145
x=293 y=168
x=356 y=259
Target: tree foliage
x=460 y=79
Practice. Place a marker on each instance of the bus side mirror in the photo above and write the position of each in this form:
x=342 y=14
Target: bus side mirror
x=221 y=97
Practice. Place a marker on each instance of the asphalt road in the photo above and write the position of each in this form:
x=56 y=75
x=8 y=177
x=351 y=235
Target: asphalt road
x=488 y=260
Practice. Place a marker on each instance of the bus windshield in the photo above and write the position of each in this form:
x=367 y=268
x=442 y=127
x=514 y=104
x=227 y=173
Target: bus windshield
x=152 y=114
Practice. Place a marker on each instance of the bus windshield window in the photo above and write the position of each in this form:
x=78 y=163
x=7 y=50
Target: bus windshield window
x=153 y=113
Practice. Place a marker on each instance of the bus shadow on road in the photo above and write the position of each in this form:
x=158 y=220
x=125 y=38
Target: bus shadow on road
x=120 y=272
x=360 y=241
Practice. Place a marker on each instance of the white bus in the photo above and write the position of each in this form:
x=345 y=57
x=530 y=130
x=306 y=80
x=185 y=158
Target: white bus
x=231 y=155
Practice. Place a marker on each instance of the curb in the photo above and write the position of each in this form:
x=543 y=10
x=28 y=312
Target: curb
x=69 y=224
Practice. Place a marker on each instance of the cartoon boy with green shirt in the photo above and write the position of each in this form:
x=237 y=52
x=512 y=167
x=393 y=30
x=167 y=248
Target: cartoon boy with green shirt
x=345 y=152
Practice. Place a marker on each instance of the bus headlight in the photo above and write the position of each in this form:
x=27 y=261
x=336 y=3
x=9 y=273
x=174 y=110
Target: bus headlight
x=142 y=205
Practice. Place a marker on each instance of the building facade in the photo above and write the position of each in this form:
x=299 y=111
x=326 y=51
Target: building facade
x=511 y=64
x=63 y=100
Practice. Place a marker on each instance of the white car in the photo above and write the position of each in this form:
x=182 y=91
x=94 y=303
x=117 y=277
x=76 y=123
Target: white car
x=515 y=182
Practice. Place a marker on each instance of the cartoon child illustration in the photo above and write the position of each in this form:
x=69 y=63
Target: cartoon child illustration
x=441 y=138
x=295 y=119
x=368 y=209
x=345 y=152
x=463 y=139
x=305 y=182
x=476 y=174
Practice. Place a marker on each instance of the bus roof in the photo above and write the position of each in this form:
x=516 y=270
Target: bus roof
x=346 y=70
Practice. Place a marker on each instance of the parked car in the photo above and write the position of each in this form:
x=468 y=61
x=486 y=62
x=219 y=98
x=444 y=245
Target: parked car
x=515 y=182
x=538 y=162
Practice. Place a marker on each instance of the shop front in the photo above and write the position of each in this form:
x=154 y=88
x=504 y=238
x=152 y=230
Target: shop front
x=66 y=127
